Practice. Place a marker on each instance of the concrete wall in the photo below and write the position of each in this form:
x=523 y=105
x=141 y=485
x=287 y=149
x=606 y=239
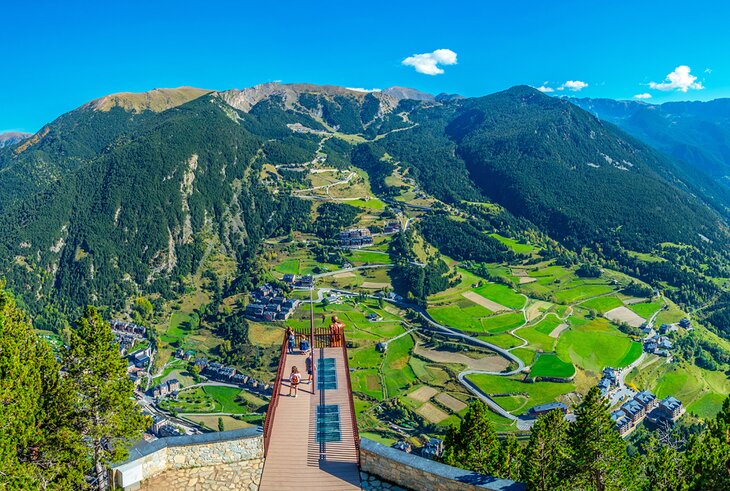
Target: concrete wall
x=416 y=473
x=149 y=459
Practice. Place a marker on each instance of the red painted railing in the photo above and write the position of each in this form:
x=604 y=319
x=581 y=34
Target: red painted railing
x=355 y=433
x=271 y=411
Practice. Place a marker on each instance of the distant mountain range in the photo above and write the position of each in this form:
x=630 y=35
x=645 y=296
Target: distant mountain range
x=695 y=133
x=113 y=198
x=12 y=137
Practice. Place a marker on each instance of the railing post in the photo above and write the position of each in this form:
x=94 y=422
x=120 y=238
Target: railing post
x=311 y=336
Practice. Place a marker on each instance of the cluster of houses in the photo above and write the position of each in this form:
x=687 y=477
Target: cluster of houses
x=608 y=380
x=162 y=427
x=222 y=373
x=269 y=304
x=645 y=404
x=126 y=335
x=392 y=227
x=139 y=359
x=171 y=387
x=433 y=449
x=128 y=327
x=354 y=238
x=306 y=281
x=658 y=345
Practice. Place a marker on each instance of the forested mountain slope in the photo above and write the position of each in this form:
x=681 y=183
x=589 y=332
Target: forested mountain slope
x=122 y=195
x=553 y=163
x=695 y=133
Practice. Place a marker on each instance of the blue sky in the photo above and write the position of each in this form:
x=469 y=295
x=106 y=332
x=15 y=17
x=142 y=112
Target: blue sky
x=59 y=55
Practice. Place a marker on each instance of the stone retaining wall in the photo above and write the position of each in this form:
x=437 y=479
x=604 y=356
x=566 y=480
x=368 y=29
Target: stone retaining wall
x=183 y=452
x=416 y=473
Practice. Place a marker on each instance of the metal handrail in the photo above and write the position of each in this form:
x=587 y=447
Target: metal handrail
x=274 y=402
x=355 y=432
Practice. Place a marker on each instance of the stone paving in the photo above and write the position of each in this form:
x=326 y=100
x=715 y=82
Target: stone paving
x=368 y=482
x=239 y=475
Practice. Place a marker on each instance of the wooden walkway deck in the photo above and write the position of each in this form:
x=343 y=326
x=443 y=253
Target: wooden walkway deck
x=295 y=459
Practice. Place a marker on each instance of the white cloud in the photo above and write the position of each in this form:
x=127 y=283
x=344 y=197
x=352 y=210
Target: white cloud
x=428 y=63
x=360 y=89
x=545 y=89
x=645 y=95
x=680 y=79
x=574 y=85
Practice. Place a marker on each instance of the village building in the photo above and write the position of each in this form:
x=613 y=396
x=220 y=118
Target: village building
x=670 y=408
x=546 y=408
x=434 y=449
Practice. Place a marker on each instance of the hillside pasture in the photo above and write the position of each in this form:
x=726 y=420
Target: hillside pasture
x=646 y=309
x=602 y=304
x=502 y=323
x=536 y=393
x=501 y=294
x=596 y=344
x=549 y=365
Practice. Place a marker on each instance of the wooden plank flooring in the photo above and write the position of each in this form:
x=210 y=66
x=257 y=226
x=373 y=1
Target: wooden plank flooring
x=295 y=460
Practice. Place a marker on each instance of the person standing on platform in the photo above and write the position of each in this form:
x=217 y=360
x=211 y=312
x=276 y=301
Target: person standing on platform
x=294 y=378
x=290 y=340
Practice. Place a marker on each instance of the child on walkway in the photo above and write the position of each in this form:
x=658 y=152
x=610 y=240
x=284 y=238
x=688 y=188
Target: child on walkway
x=294 y=379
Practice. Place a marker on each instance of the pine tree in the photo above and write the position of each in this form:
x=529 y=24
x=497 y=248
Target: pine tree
x=547 y=453
x=105 y=407
x=39 y=448
x=664 y=467
x=510 y=458
x=599 y=454
x=473 y=445
x=708 y=454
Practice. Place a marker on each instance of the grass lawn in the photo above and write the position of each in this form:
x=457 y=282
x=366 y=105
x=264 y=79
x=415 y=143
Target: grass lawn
x=504 y=340
x=596 y=344
x=288 y=266
x=646 y=309
x=501 y=294
x=460 y=317
x=371 y=204
x=397 y=373
x=581 y=292
x=365 y=358
x=537 y=339
x=360 y=257
x=525 y=354
x=504 y=322
x=670 y=316
x=225 y=397
x=547 y=325
x=367 y=382
x=602 y=304
x=512 y=403
x=376 y=437
x=179 y=322
x=514 y=245
x=538 y=392
x=549 y=365
x=708 y=405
